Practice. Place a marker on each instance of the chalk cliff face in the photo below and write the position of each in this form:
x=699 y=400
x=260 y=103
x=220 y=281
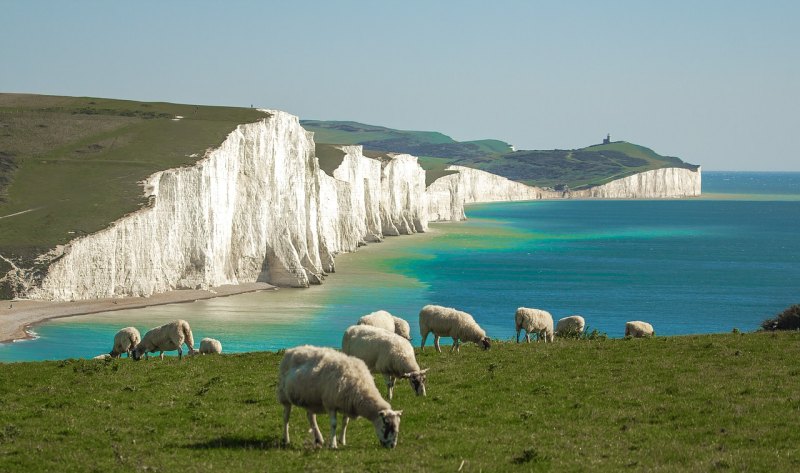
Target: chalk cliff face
x=655 y=184
x=259 y=208
x=447 y=195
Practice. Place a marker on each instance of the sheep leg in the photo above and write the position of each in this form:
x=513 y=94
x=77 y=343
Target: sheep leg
x=389 y=385
x=312 y=421
x=161 y=355
x=455 y=346
x=180 y=353
x=345 y=421
x=436 y=343
x=424 y=337
x=527 y=337
x=287 y=410
x=332 y=415
x=518 y=329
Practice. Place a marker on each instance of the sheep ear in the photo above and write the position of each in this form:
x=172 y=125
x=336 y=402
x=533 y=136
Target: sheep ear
x=424 y=371
x=406 y=375
x=399 y=413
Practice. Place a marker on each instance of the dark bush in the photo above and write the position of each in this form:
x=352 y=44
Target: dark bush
x=789 y=319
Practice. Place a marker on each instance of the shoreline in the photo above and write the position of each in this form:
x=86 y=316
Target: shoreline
x=19 y=316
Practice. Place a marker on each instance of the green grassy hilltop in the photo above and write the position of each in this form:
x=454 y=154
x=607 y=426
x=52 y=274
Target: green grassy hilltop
x=725 y=402
x=71 y=165
x=577 y=168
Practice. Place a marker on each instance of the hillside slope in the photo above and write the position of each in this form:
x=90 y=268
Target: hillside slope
x=70 y=166
x=577 y=168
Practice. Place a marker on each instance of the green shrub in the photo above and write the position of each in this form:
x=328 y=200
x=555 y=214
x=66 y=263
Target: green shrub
x=789 y=319
x=586 y=334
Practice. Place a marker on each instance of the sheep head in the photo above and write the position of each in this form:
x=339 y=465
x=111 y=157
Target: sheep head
x=387 y=427
x=486 y=343
x=138 y=352
x=417 y=380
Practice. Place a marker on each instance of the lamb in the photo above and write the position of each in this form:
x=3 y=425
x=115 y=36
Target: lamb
x=167 y=337
x=210 y=346
x=535 y=321
x=325 y=380
x=449 y=322
x=571 y=324
x=387 y=321
x=386 y=353
x=125 y=341
x=637 y=328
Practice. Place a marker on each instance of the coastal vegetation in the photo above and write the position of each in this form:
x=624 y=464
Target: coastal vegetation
x=574 y=169
x=72 y=165
x=688 y=403
x=789 y=319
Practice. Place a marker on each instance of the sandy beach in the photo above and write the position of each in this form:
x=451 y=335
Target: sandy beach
x=17 y=316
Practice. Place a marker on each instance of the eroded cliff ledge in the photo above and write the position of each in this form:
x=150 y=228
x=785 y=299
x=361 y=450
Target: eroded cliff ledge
x=259 y=208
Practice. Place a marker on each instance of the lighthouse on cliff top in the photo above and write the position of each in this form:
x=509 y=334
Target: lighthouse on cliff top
x=607 y=139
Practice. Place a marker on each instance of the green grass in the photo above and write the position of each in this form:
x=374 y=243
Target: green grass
x=330 y=157
x=76 y=162
x=694 y=403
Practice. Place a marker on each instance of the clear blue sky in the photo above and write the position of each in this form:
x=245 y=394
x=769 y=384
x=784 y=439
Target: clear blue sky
x=713 y=82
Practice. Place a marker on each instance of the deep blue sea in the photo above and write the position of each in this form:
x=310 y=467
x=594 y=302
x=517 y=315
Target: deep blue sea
x=727 y=260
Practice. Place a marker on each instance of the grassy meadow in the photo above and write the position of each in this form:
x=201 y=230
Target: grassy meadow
x=725 y=402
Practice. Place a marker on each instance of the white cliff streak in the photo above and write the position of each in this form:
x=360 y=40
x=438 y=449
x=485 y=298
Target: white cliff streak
x=259 y=208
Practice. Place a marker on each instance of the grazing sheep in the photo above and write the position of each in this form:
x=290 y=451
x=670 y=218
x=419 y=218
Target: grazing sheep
x=125 y=341
x=210 y=346
x=449 y=322
x=571 y=324
x=104 y=356
x=402 y=328
x=387 y=321
x=535 y=321
x=167 y=337
x=325 y=380
x=386 y=353
x=637 y=328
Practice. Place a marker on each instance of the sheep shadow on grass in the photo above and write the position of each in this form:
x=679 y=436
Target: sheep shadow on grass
x=270 y=442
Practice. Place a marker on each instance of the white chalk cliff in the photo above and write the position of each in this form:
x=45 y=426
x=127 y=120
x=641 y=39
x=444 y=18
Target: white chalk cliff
x=259 y=208
x=656 y=184
x=448 y=195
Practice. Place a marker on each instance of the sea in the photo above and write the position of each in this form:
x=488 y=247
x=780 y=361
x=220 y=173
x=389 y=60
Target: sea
x=723 y=261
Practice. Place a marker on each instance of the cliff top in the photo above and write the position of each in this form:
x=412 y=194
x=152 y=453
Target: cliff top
x=71 y=165
x=576 y=168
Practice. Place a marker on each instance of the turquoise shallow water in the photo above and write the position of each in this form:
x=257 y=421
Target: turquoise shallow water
x=687 y=266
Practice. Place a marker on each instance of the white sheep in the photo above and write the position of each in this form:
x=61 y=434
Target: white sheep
x=210 y=346
x=325 y=380
x=637 y=328
x=570 y=325
x=387 y=321
x=535 y=321
x=449 y=322
x=125 y=341
x=167 y=337
x=386 y=353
